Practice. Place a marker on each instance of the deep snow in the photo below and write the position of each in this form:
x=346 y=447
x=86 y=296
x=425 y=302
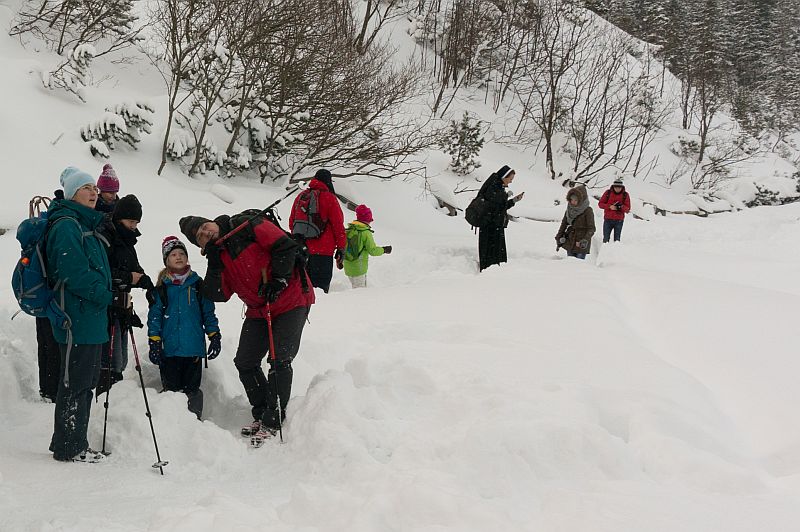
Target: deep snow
x=651 y=387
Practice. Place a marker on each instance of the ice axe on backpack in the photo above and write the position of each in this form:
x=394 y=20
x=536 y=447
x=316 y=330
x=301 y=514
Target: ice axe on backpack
x=262 y=212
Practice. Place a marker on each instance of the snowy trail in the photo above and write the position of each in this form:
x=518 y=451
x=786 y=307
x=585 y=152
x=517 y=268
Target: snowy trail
x=440 y=399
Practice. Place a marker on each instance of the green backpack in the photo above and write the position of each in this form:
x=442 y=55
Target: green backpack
x=354 y=246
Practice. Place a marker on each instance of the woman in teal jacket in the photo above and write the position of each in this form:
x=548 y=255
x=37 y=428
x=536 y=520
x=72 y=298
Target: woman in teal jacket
x=360 y=245
x=177 y=322
x=77 y=262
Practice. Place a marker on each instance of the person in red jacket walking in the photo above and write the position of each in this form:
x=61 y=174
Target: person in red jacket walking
x=615 y=203
x=327 y=217
x=258 y=264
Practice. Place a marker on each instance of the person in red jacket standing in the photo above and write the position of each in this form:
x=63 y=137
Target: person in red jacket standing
x=258 y=264
x=327 y=217
x=615 y=203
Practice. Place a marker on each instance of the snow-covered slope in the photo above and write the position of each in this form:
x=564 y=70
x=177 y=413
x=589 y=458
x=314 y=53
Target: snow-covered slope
x=651 y=387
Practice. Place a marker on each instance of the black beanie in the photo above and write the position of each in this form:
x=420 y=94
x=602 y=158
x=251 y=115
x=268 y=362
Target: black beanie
x=128 y=208
x=189 y=226
x=324 y=176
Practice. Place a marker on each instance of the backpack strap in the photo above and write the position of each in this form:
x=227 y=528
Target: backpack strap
x=162 y=295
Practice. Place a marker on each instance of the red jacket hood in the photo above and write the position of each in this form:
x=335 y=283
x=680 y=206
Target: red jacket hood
x=316 y=184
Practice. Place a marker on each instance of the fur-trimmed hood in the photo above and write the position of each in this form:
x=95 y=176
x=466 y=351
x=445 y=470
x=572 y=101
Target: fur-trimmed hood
x=581 y=192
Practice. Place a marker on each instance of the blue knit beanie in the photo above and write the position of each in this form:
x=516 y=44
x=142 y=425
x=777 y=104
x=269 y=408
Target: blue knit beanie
x=72 y=179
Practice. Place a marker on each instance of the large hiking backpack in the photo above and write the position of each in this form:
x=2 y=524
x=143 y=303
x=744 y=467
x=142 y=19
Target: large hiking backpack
x=308 y=222
x=477 y=212
x=254 y=217
x=29 y=281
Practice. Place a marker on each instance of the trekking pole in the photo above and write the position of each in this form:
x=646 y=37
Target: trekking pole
x=108 y=388
x=160 y=463
x=272 y=355
x=275 y=369
x=244 y=224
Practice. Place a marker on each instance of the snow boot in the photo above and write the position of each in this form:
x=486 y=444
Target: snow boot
x=251 y=429
x=88 y=456
x=259 y=438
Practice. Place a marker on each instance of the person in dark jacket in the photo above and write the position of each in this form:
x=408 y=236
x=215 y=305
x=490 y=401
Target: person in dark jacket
x=616 y=203
x=108 y=183
x=492 y=236
x=577 y=226
x=77 y=263
x=258 y=264
x=49 y=357
x=332 y=242
x=177 y=322
x=121 y=230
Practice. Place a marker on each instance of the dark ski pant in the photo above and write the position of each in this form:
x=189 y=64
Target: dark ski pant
x=253 y=347
x=577 y=255
x=49 y=359
x=491 y=246
x=320 y=271
x=183 y=374
x=608 y=225
x=74 y=401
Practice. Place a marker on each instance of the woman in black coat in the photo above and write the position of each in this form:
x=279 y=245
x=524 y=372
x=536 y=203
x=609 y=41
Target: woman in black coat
x=492 y=235
x=120 y=229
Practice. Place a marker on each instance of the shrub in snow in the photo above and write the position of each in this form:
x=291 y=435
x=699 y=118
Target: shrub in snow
x=98 y=149
x=765 y=196
x=74 y=74
x=463 y=142
x=121 y=123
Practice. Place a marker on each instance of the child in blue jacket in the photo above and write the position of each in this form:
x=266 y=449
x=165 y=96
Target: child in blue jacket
x=176 y=323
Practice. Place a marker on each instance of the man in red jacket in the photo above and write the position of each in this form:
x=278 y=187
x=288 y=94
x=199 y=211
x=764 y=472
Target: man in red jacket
x=615 y=203
x=258 y=264
x=328 y=219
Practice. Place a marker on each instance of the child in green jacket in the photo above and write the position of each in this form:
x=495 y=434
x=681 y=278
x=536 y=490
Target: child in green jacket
x=360 y=245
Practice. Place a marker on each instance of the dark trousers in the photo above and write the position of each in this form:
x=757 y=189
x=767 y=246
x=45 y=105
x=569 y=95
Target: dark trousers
x=608 y=225
x=183 y=374
x=491 y=246
x=320 y=271
x=74 y=401
x=253 y=347
x=581 y=256
x=49 y=359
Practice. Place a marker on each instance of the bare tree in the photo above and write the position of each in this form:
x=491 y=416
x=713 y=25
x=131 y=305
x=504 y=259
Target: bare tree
x=550 y=66
x=181 y=28
x=615 y=110
x=83 y=30
x=376 y=15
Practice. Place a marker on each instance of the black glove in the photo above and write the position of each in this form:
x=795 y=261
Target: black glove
x=213 y=253
x=273 y=288
x=135 y=321
x=145 y=283
x=387 y=249
x=214 y=346
x=339 y=258
x=120 y=301
x=119 y=285
x=156 y=350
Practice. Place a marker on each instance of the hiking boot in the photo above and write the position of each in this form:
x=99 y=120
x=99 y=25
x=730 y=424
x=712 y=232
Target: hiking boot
x=88 y=456
x=251 y=429
x=263 y=434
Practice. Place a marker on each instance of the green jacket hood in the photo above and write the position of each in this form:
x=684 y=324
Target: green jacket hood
x=359 y=226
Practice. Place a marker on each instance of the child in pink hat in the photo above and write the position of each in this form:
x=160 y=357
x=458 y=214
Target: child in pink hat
x=108 y=183
x=360 y=245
